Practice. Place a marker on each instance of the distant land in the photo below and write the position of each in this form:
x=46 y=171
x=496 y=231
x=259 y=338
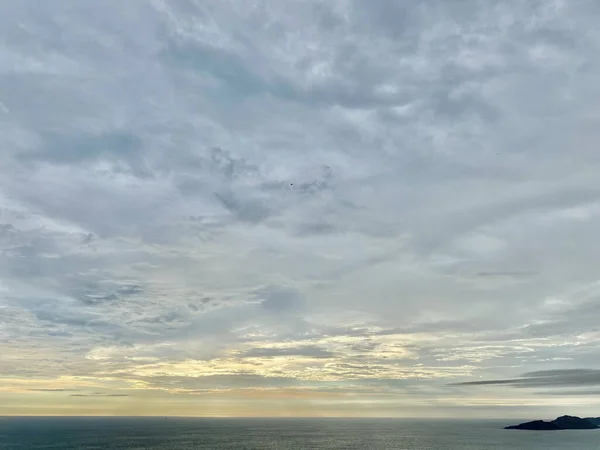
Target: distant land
x=560 y=423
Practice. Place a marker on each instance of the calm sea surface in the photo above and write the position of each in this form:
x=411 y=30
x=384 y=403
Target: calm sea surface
x=183 y=434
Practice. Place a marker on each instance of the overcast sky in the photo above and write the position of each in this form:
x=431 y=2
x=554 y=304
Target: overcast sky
x=300 y=207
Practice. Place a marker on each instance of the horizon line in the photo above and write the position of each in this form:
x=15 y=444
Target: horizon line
x=102 y=416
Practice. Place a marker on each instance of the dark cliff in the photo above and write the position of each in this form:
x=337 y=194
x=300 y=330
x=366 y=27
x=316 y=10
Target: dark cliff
x=560 y=423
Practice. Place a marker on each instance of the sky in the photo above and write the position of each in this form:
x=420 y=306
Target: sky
x=300 y=208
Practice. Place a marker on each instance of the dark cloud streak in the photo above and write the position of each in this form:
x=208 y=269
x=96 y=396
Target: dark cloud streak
x=548 y=378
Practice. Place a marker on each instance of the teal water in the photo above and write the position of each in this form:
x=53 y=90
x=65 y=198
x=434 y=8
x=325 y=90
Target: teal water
x=217 y=434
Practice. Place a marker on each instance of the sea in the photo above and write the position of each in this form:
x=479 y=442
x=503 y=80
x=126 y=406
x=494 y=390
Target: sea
x=53 y=433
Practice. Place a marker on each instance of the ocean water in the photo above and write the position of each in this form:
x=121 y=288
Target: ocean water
x=217 y=434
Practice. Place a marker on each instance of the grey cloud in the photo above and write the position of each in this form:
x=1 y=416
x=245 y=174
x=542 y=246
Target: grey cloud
x=245 y=209
x=579 y=314
x=508 y=274
x=278 y=299
x=317 y=228
x=307 y=350
x=225 y=163
x=230 y=69
x=53 y=390
x=395 y=18
x=100 y=394
x=219 y=381
x=583 y=392
x=66 y=149
x=547 y=378
x=92 y=293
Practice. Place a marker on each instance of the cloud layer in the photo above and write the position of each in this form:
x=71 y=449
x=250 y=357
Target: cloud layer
x=317 y=204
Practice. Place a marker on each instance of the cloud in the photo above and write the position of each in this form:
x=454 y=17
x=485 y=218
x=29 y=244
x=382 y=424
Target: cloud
x=299 y=194
x=583 y=392
x=279 y=299
x=53 y=390
x=546 y=378
x=99 y=394
x=308 y=351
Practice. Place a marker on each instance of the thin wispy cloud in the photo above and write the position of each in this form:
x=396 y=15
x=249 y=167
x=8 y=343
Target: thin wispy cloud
x=546 y=378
